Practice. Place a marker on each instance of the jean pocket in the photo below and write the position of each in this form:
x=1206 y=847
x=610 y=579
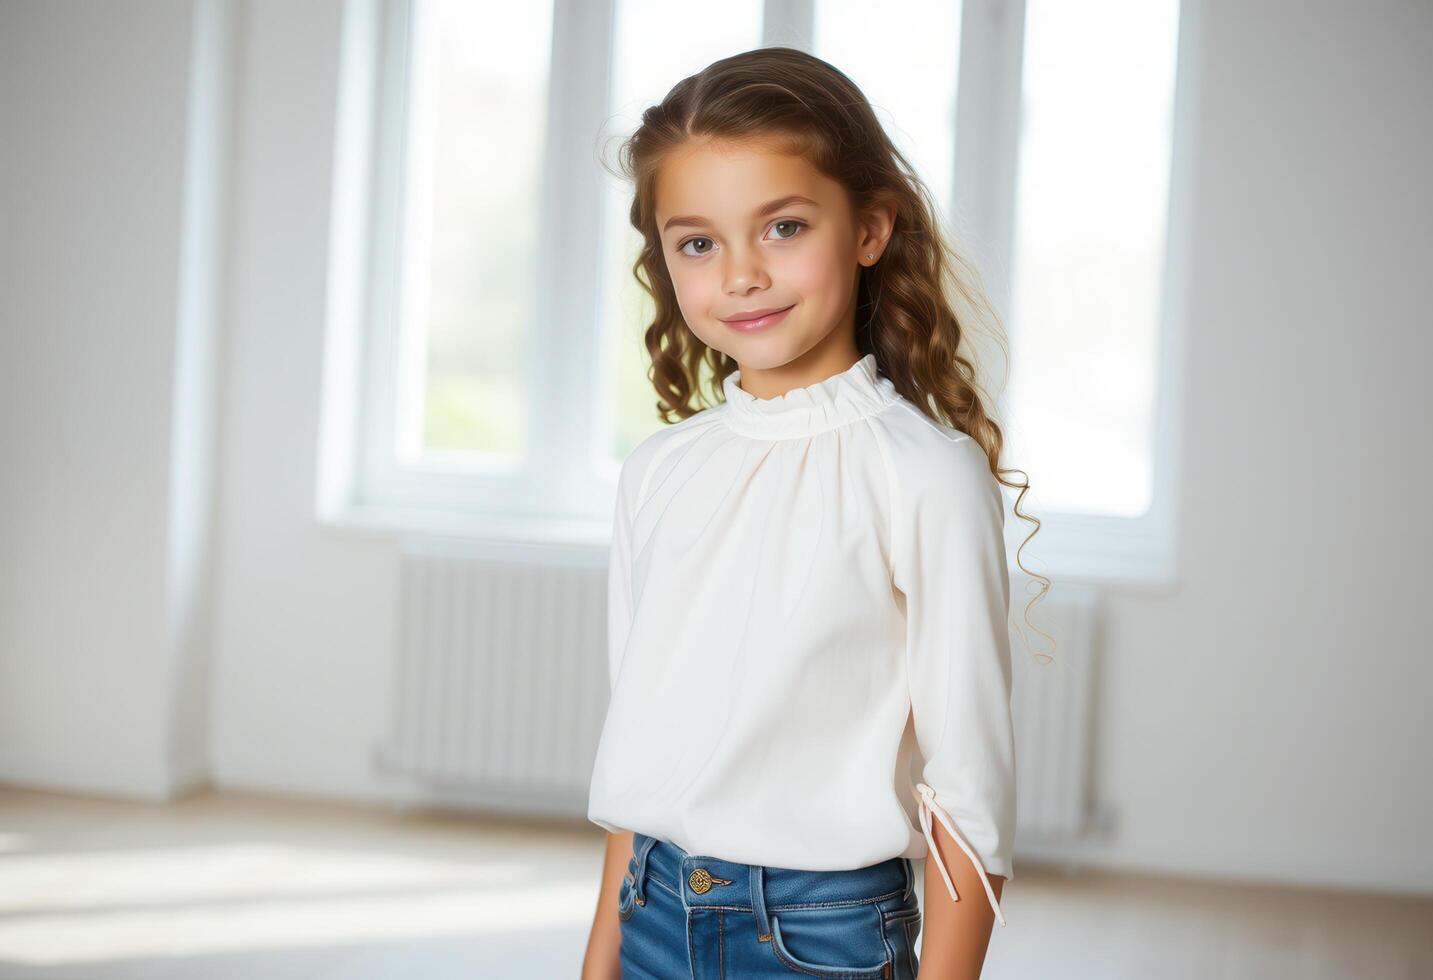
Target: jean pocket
x=834 y=941
x=902 y=927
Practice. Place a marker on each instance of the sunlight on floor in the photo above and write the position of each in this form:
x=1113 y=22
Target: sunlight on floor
x=68 y=908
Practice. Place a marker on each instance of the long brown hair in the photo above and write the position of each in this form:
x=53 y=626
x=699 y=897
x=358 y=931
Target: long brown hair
x=905 y=305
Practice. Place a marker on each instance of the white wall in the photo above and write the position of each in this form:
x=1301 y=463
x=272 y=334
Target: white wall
x=1271 y=719
x=304 y=613
x=1265 y=721
x=108 y=300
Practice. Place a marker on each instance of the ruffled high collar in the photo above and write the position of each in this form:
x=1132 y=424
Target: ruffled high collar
x=852 y=394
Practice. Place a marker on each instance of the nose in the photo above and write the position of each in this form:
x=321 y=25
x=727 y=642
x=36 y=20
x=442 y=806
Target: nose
x=744 y=272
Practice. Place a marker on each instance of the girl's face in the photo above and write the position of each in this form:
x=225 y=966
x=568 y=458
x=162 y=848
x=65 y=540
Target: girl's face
x=747 y=230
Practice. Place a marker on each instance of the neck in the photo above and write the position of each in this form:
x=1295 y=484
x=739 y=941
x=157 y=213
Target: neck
x=836 y=352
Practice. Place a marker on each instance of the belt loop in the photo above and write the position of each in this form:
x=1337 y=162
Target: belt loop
x=758 y=903
x=639 y=878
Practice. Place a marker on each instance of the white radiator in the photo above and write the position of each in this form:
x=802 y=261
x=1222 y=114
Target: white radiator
x=1053 y=711
x=500 y=685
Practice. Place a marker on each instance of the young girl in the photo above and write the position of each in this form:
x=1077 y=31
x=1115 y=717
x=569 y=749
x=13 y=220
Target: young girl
x=808 y=588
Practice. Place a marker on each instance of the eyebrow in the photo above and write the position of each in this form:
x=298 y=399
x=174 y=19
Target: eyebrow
x=767 y=208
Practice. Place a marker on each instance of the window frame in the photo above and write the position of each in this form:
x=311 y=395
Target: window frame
x=1142 y=551
x=557 y=480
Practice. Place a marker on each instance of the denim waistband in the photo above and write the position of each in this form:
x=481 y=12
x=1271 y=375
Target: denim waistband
x=702 y=880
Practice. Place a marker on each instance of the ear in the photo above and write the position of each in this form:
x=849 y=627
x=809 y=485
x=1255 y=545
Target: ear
x=876 y=224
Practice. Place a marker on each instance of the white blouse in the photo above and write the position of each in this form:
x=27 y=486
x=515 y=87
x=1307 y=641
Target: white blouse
x=808 y=602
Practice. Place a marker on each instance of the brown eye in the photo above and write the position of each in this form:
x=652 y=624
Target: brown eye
x=683 y=247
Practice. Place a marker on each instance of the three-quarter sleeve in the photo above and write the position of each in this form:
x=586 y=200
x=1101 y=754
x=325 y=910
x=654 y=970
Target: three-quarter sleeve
x=949 y=563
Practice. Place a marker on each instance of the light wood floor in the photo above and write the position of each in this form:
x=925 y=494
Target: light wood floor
x=229 y=885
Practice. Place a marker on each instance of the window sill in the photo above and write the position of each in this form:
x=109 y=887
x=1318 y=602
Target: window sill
x=1093 y=560
x=1127 y=573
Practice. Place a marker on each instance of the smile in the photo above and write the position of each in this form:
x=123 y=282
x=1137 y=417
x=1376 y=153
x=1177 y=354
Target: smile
x=760 y=322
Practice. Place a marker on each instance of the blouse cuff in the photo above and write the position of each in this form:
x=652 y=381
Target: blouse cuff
x=927 y=806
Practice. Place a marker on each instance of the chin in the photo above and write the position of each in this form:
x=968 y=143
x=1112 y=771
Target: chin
x=762 y=354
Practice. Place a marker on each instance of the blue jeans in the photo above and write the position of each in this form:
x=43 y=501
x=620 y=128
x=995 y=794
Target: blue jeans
x=690 y=915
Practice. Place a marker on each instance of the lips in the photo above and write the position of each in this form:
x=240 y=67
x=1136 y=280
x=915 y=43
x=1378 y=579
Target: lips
x=757 y=319
x=755 y=314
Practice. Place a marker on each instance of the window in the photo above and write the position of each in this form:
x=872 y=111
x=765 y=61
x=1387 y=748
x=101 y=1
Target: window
x=476 y=112
x=1091 y=296
x=505 y=373
x=1091 y=208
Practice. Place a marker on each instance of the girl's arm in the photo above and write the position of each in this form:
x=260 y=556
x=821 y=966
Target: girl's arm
x=956 y=934
x=949 y=563
x=601 y=960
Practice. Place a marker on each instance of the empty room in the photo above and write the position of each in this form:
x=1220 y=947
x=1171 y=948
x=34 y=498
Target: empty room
x=778 y=488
